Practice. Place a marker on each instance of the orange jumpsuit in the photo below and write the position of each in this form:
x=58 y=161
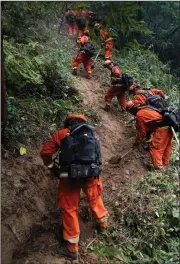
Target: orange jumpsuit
x=141 y=99
x=109 y=43
x=71 y=25
x=161 y=140
x=82 y=13
x=69 y=195
x=116 y=89
x=82 y=58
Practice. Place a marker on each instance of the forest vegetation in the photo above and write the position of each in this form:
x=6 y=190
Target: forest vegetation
x=38 y=90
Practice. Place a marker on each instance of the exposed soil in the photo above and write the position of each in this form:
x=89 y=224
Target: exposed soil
x=31 y=222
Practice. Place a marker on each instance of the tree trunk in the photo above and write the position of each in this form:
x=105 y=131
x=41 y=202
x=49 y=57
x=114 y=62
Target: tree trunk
x=4 y=112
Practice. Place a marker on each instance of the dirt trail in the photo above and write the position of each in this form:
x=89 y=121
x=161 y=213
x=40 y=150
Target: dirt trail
x=31 y=223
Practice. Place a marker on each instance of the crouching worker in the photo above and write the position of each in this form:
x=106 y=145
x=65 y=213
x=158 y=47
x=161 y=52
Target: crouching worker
x=80 y=166
x=151 y=122
x=84 y=54
x=120 y=83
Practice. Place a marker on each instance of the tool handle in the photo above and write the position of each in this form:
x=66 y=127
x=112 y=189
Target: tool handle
x=174 y=133
x=97 y=56
x=126 y=153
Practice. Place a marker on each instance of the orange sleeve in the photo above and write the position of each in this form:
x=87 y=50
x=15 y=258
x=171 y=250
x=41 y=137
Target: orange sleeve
x=103 y=35
x=160 y=92
x=82 y=40
x=52 y=145
x=141 y=128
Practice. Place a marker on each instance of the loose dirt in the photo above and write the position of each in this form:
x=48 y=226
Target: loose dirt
x=31 y=222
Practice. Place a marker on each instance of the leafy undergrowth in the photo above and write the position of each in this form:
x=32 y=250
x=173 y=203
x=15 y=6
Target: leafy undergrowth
x=145 y=223
x=41 y=90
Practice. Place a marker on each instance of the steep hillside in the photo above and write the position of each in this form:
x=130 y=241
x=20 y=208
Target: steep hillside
x=31 y=223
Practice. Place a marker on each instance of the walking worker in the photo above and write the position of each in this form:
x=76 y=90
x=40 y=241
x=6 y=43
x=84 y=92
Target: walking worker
x=71 y=21
x=81 y=21
x=118 y=88
x=106 y=40
x=84 y=54
x=80 y=165
x=150 y=123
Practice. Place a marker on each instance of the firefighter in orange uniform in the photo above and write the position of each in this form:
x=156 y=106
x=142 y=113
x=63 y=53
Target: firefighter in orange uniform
x=81 y=21
x=81 y=57
x=106 y=41
x=69 y=191
x=149 y=121
x=117 y=88
x=71 y=21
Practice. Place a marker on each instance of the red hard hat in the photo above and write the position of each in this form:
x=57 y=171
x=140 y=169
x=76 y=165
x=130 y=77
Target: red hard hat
x=76 y=116
x=129 y=105
x=107 y=62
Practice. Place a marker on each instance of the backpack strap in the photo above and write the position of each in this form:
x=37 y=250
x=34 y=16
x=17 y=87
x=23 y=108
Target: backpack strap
x=84 y=126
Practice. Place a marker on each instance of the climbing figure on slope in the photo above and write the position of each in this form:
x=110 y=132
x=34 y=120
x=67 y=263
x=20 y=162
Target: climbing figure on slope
x=71 y=21
x=150 y=124
x=80 y=167
x=81 y=21
x=140 y=95
x=84 y=54
x=106 y=41
x=118 y=86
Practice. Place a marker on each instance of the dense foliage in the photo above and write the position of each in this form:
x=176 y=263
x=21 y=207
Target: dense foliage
x=145 y=226
x=155 y=25
x=40 y=91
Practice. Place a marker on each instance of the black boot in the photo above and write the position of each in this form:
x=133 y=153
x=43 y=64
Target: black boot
x=65 y=252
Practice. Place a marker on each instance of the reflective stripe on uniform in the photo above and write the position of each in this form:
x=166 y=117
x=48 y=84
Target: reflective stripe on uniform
x=165 y=127
x=72 y=240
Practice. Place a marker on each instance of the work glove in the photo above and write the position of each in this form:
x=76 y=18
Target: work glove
x=54 y=169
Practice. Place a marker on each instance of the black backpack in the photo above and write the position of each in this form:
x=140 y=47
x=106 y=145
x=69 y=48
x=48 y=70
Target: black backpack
x=127 y=80
x=81 y=21
x=172 y=117
x=88 y=49
x=80 y=153
x=155 y=102
x=70 y=17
